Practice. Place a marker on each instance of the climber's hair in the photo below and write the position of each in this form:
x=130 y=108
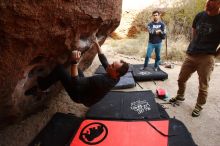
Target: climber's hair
x=123 y=69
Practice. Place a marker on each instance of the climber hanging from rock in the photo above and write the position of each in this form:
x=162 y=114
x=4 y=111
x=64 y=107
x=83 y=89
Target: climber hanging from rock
x=81 y=89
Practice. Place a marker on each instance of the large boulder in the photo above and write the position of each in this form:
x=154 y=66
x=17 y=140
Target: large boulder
x=35 y=35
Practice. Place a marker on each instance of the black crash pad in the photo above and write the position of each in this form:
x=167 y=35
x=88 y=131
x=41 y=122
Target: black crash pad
x=148 y=74
x=125 y=105
x=58 y=131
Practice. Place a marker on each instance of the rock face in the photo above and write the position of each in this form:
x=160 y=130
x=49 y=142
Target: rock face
x=35 y=35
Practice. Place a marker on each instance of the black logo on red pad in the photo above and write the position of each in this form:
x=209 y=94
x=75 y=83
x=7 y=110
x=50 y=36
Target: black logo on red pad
x=93 y=133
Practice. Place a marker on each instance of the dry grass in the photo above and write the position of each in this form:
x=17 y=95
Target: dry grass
x=137 y=47
x=130 y=46
x=175 y=48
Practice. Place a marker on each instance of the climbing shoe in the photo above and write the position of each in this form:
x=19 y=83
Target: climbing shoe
x=32 y=91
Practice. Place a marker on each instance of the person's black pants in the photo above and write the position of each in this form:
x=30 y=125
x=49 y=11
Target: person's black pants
x=60 y=74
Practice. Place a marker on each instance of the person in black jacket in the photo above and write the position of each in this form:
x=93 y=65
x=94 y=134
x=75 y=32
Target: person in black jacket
x=201 y=53
x=85 y=90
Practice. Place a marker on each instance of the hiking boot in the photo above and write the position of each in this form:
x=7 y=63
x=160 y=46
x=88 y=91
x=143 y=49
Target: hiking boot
x=178 y=97
x=196 y=112
x=35 y=90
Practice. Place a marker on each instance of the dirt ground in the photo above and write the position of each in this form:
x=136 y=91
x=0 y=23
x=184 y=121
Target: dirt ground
x=205 y=129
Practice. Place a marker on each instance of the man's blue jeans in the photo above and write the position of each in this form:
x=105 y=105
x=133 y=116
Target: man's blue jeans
x=150 y=49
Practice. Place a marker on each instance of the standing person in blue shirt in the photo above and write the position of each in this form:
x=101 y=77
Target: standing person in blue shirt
x=157 y=33
x=201 y=53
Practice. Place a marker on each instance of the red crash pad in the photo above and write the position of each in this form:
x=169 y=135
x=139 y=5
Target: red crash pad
x=121 y=133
